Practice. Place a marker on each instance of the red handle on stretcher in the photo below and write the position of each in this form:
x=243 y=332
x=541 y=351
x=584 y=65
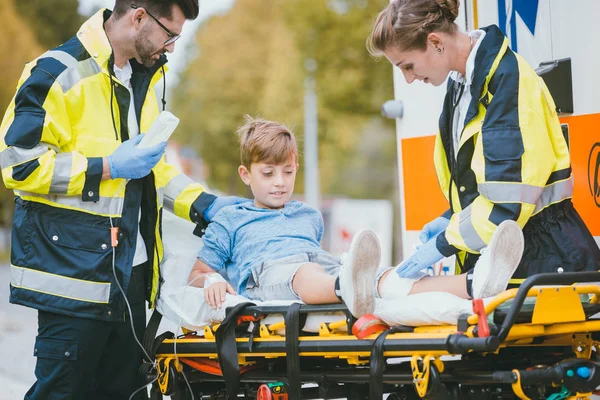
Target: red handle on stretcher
x=483 y=329
x=367 y=325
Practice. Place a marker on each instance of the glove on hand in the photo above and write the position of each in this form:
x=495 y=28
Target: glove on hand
x=426 y=255
x=433 y=228
x=219 y=203
x=130 y=162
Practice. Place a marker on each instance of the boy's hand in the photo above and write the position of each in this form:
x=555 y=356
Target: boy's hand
x=214 y=295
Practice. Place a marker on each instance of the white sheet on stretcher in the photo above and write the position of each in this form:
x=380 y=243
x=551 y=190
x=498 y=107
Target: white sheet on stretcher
x=185 y=306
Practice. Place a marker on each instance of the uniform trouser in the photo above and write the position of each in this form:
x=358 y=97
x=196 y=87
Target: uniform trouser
x=81 y=358
x=556 y=240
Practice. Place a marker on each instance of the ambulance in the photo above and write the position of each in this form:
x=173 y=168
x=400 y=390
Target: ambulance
x=557 y=38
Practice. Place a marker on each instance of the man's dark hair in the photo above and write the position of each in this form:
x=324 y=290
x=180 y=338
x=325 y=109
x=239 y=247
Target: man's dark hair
x=158 y=8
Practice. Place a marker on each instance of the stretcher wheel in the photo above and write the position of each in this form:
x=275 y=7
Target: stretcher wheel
x=272 y=391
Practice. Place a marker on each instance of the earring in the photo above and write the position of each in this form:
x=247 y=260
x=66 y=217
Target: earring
x=439 y=50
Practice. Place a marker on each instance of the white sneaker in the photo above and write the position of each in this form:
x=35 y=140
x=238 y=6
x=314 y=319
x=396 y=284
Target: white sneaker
x=357 y=273
x=498 y=260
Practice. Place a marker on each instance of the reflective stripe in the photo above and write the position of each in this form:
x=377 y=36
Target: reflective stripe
x=555 y=193
x=173 y=189
x=64 y=58
x=72 y=76
x=112 y=206
x=16 y=155
x=160 y=194
x=61 y=176
x=61 y=286
x=467 y=231
x=541 y=197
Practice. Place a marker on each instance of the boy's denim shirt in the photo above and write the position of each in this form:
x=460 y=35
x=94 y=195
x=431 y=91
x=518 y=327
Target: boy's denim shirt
x=243 y=236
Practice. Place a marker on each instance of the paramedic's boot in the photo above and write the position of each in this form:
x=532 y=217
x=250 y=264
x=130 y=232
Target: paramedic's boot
x=355 y=281
x=498 y=261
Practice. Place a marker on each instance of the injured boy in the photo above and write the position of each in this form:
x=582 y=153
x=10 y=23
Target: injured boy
x=269 y=247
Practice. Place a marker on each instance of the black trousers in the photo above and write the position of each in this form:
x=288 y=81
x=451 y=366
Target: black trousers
x=556 y=240
x=81 y=358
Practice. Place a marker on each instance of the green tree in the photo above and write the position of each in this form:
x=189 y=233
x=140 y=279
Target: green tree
x=357 y=146
x=248 y=64
x=252 y=62
x=19 y=47
x=53 y=21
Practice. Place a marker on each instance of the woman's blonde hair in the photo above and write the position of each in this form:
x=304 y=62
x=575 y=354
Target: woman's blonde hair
x=265 y=141
x=407 y=23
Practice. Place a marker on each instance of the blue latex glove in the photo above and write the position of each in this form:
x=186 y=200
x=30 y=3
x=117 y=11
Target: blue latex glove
x=426 y=255
x=130 y=162
x=219 y=203
x=433 y=228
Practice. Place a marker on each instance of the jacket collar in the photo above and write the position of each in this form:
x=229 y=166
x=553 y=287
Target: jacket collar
x=491 y=48
x=490 y=52
x=93 y=37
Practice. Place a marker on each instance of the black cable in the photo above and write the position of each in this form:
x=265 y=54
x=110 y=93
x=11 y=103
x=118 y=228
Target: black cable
x=164 y=102
x=453 y=156
x=142 y=388
x=128 y=308
x=112 y=114
x=111 y=63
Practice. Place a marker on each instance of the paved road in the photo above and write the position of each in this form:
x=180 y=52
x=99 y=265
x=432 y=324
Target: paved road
x=17 y=333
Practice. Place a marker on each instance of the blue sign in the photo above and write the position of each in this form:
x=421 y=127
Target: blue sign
x=527 y=10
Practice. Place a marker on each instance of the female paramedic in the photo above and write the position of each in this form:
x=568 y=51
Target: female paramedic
x=499 y=153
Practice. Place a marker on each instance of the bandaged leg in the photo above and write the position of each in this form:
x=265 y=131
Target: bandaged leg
x=392 y=286
x=434 y=308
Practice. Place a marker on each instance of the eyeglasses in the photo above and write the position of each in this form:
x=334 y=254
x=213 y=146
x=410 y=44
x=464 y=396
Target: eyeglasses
x=172 y=37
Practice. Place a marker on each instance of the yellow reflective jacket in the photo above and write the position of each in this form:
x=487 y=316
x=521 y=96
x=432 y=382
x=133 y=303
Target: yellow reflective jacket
x=512 y=161
x=65 y=117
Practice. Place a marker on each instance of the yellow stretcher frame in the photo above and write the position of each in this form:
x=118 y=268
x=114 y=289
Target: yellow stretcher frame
x=558 y=330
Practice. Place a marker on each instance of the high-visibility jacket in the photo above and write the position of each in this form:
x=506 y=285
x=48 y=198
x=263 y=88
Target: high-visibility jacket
x=65 y=117
x=512 y=161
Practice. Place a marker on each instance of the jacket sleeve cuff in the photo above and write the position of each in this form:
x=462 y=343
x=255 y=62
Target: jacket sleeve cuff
x=447 y=214
x=197 y=212
x=444 y=247
x=93 y=177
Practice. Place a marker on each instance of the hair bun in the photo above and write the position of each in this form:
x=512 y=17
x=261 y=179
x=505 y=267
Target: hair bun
x=449 y=8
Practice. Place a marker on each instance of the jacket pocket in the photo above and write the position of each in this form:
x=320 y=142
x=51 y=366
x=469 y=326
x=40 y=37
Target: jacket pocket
x=56 y=366
x=55 y=349
x=502 y=144
x=26 y=129
x=503 y=149
x=75 y=250
x=78 y=237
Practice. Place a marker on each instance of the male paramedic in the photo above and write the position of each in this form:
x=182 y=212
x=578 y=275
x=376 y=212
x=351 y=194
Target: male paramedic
x=87 y=221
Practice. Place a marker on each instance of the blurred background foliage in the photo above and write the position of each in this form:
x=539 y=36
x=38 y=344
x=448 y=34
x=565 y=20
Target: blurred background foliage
x=28 y=28
x=252 y=61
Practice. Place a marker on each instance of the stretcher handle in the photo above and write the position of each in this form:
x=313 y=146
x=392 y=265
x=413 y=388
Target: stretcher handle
x=461 y=344
x=565 y=278
x=483 y=328
x=541 y=375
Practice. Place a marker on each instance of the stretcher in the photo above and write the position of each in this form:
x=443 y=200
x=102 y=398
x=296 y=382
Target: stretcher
x=539 y=341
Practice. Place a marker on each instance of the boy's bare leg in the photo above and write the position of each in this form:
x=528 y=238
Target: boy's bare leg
x=454 y=284
x=314 y=286
x=354 y=283
x=490 y=276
